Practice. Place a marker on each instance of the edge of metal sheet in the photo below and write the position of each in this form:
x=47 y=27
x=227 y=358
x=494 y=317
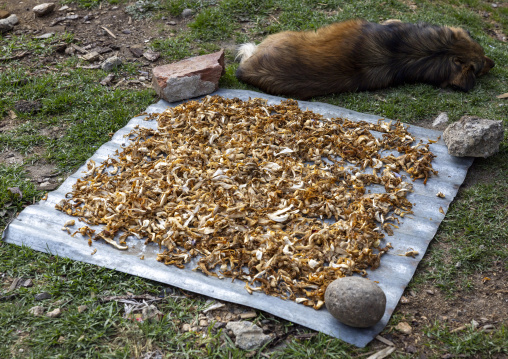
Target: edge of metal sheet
x=39 y=227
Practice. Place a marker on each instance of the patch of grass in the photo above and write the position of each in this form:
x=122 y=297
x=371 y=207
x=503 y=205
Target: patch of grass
x=212 y=24
x=474 y=232
x=320 y=346
x=85 y=112
x=175 y=7
x=143 y=8
x=173 y=49
x=229 y=80
x=16 y=191
x=37 y=47
x=468 y=342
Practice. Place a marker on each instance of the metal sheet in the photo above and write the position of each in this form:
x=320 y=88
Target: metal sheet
x=39 y=227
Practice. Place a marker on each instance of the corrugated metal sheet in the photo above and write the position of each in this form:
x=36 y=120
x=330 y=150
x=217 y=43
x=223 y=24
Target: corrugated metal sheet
x=39 y=226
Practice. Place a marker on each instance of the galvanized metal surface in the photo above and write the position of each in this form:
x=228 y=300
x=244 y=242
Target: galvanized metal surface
x=39 y=227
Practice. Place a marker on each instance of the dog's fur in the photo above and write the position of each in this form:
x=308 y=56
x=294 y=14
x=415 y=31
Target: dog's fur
x=357 y=55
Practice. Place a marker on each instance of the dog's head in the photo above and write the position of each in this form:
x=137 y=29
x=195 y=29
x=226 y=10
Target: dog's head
x=468 y=61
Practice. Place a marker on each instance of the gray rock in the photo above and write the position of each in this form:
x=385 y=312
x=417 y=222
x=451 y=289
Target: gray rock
x=8 y=23
x=189 y=78
x=473 y=137
x=187 y=12
x=5 y=26
x=37 y=310
x=107 y=80
x=91 y=56
x=111 y=63
x=42 y=296
x=45 y=36
x=151 y=55
x=355 y=301
x=136 y=50
x=44 y=9
x=219 y=325
x=69 y=50
x=248 y=335
x=12 y=19
x=441 y=120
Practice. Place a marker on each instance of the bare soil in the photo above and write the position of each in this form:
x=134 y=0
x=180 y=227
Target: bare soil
x=486 y=304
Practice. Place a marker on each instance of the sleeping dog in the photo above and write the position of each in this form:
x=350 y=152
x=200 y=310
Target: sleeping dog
x=357 y=55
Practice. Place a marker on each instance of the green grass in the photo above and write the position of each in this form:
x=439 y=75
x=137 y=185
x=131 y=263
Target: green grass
x=476 y=233
x=16 y=192
x=77 y=115
x=75 y=104
x=468 y=342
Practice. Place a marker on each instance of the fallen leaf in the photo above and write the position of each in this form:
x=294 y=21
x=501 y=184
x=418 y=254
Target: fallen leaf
x=505 y=95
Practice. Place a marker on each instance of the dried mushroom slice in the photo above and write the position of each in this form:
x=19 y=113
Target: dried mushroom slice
x=247 y=187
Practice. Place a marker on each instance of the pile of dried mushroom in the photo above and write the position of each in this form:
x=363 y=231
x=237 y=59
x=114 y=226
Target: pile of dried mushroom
x=244 y=187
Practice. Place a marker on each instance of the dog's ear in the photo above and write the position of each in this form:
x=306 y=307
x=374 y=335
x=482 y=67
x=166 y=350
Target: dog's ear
x=462 y=75
x=487 y=65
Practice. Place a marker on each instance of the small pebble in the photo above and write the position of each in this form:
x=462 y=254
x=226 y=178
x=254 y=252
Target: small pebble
x=219 y=325
x=404 y=328
x=111 y=63
x=203 y=323
x=44 y=9
x=42 y=296
x=187 y=12
x=54 y=313
x=45 y=36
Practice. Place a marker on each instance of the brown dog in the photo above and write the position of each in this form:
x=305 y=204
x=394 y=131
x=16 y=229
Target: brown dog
x=357 y=55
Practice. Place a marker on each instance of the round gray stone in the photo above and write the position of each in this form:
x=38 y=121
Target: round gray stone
x=111 y=63
x=187 y=12
x=355 y=301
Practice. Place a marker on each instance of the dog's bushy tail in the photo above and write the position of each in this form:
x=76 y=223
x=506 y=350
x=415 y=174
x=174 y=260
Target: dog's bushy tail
x=245 y=51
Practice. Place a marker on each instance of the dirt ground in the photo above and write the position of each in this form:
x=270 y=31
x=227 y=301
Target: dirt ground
x=110 y=30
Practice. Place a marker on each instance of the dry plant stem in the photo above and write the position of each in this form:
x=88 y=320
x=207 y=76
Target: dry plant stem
x=232 y=183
